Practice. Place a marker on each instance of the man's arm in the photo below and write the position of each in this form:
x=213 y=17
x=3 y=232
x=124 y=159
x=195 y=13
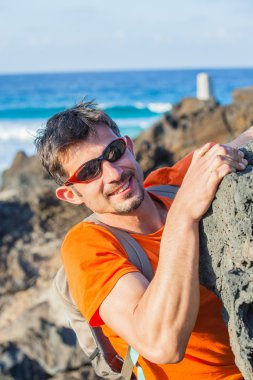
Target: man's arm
x=157 y=318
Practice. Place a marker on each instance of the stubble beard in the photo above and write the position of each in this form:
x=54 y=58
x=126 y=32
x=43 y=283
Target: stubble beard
x=130 y=203
x=133 y=200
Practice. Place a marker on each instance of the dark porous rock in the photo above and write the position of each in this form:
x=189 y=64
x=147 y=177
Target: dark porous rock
x=15 y=270
x=18 y=366
x=17 y=217
x=24 y=174
x=37 y=346
x=28 y=229
x=32 y=200
x=226 y=260
x=237 y=117
x=33 y=219
x=83 y=373
x=35 y=342
x=191 y=107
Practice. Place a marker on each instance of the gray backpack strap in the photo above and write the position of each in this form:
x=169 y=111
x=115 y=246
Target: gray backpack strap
x=135 y=252
x=131 y=361
x=168 y=191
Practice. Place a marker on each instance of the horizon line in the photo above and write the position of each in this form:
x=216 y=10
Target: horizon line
x=91 y=71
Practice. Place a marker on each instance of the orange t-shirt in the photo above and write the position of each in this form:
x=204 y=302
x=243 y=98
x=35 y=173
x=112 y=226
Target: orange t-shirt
x=94 y=261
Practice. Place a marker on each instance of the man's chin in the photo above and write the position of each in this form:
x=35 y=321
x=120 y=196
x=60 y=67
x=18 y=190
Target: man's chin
x=129 y=205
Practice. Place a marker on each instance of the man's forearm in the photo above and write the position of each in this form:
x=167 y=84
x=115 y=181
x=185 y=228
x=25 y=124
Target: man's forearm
x=166 y=314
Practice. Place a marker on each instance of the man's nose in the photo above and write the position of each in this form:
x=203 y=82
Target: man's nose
x=112 y=172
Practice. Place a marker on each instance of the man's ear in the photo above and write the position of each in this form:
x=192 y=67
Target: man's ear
x=68 y=194
x=130 y=144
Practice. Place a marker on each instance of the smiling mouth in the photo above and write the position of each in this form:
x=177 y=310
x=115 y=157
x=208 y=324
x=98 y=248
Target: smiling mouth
x=121 y=188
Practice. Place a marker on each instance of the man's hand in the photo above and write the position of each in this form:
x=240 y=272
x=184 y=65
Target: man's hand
x=209 y=166
x=243 y=139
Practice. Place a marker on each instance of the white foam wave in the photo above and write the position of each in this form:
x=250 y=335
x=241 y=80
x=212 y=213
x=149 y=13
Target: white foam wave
x=140 y=105
x=143 y=122
x=159 y=107
x=105 y=106
x=19 y=130
x=154 y=107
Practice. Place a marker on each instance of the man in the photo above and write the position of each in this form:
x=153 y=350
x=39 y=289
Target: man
x=173 y=322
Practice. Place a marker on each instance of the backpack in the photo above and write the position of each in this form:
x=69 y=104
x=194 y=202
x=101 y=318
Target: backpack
x=104 y=359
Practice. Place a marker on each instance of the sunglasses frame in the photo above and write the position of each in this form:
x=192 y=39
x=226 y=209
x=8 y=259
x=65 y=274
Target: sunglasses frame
x=72 y=180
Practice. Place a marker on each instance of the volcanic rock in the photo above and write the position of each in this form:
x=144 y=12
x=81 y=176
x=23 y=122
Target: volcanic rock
x=226 y=259
x=243 y=95
x=35 y=339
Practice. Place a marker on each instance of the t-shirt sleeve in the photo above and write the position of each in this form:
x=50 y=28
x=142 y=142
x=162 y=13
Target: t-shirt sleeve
x=173 y=175
x=94 y=261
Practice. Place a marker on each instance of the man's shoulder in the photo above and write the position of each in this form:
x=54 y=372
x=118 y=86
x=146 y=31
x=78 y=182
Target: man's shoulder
x=87 y=240
x=86 y=230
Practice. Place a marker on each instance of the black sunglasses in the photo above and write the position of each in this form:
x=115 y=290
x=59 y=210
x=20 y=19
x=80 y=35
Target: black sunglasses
x=92 y=169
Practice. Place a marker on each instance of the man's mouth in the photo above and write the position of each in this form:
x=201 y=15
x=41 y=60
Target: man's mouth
x=121 y=188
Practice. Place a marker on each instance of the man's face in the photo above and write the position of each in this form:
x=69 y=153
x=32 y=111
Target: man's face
x=119 y=190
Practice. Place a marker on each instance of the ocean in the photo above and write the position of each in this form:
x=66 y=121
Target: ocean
x=134 y=99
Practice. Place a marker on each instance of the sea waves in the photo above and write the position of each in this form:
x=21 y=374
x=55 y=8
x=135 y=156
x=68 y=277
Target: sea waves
x=137 y=109
x=18 y=132
x=121 y=111
x=16 y=135
x=18 y=125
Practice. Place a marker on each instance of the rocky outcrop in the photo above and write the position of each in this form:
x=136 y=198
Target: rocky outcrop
x=34 y=222
x=226 y=260
x=35 y=341
x=243 y=95
x=190 y=124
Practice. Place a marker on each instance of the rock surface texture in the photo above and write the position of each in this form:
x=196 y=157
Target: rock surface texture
x=35 y=341
x=226 y=264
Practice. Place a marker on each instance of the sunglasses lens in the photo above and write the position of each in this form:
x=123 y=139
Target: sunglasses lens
x=91 y=169
x=115 y=150
x=88 y=171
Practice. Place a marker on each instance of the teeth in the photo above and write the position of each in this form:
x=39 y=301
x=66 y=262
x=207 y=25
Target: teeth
x=122 y=188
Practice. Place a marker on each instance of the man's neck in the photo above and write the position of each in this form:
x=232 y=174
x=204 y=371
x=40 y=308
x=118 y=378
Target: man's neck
x=147 y=219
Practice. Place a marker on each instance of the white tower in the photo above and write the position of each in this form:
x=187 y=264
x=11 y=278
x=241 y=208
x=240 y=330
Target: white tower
x=204 y=87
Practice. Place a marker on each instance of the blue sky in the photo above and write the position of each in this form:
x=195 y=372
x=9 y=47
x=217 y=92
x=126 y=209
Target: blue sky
x=80 y=35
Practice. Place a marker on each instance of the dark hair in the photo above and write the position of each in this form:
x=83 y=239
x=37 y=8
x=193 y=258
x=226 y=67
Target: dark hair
x=65 y=129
